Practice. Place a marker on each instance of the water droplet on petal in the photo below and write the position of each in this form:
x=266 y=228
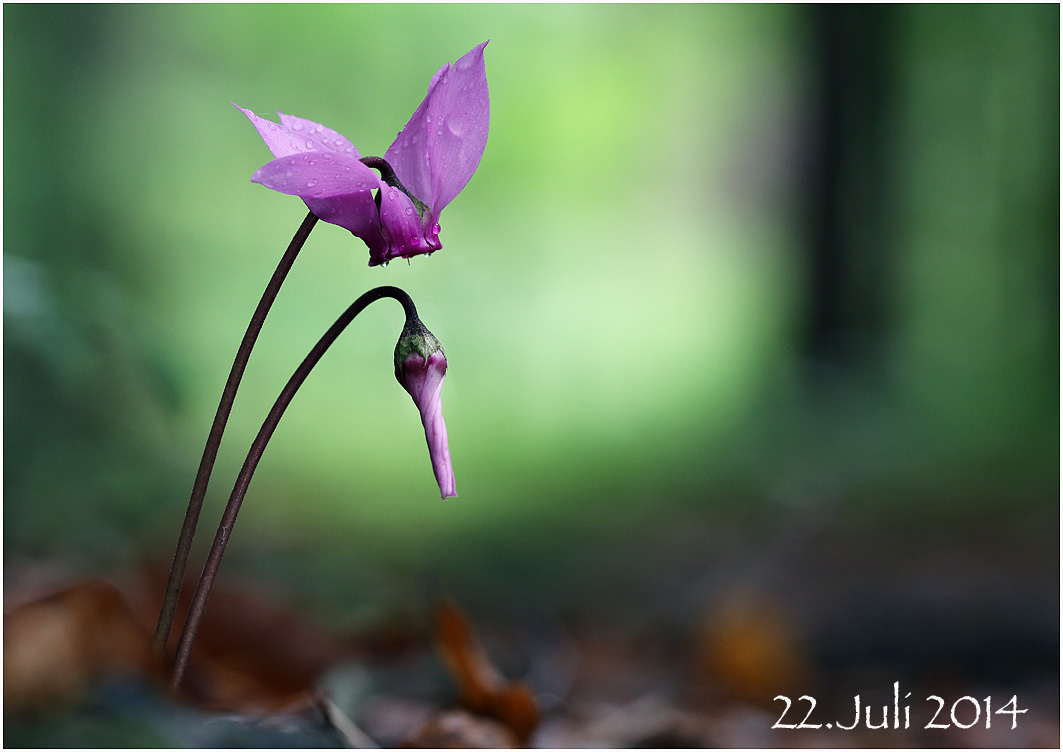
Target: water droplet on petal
x=409 y=211
x=272 y=126
x=311 y=182
x=291 y=161
x=297 y=126
x=384 y=263
x=309 y=144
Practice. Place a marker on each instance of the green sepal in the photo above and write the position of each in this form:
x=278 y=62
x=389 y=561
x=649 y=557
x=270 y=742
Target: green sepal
x=415 y=338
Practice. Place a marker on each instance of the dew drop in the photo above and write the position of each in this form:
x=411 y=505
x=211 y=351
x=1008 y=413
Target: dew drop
x=311 y=182
x=309 y=144
x=409 y=211
x=291 y=161
x=272 y=126
x=384 y=263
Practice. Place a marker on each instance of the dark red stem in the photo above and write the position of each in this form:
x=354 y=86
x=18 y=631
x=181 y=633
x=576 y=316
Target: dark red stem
x=210 y=451
x=217 y=550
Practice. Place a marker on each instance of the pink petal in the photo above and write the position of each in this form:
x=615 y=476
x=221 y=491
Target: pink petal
x=424 y=382
x=401 y=223
x=408 y=154
x=328 y=138
x=281 y=141
x=435 y=433
x=317 y=174
x=355 y=212
x=439 y=149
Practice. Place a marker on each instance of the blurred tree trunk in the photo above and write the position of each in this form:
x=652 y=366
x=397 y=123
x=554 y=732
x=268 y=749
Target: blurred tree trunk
x=847 y=200
x=932 y=205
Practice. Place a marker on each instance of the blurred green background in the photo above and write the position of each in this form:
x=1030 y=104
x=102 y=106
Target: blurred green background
x=722 y=270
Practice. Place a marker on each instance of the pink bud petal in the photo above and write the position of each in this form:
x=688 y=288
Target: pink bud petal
x=423 y=379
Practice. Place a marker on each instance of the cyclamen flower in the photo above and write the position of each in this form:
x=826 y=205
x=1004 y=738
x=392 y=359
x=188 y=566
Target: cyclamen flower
x=420 y=366
x=430 y=162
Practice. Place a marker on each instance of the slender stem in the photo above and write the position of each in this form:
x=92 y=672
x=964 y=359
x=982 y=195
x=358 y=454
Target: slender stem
x=210 y=451
x=217 y=550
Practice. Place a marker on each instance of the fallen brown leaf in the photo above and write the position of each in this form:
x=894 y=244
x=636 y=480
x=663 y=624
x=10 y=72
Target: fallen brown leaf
x=483 y=688
x=751 y=648
x=253 y=653
x=57 y=644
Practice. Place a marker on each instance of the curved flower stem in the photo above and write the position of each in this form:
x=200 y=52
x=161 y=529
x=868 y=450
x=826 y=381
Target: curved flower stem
x=210 y=451
x=217 y=550
x=387 y=174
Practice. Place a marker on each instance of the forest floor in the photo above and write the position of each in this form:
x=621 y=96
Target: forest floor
x=820 y=653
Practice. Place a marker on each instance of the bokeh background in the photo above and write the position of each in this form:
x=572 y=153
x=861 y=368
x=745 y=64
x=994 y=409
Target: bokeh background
x=740 y=298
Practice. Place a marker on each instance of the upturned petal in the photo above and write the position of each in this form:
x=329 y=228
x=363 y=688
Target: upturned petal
x=325 y=136
x=336 y=187
x=439 y=149
x=281 y=140
x=423 y=379
x=408 y=153
x=317 y=174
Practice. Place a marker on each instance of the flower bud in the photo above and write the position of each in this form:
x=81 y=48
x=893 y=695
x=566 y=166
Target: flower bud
x=420 y=366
